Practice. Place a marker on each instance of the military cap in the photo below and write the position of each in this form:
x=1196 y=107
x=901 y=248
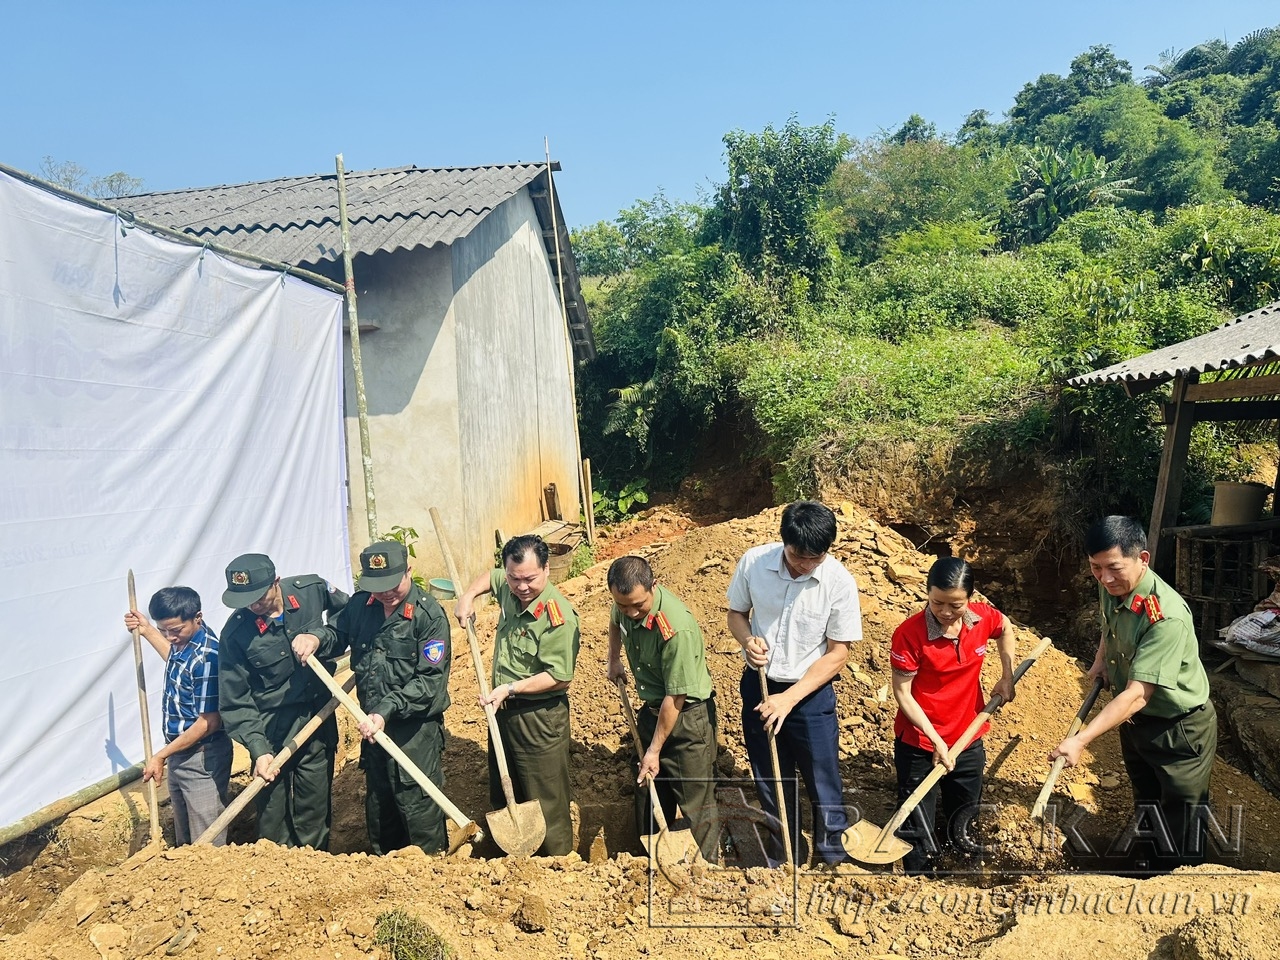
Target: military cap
x=249 y=577
x=383 y=565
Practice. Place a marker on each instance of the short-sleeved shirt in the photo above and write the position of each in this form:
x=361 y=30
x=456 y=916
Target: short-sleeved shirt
x=795 y=615
x=1149 y=635
x=665 y=650
x=542 y=638
x=947 y=672
x=190 y=682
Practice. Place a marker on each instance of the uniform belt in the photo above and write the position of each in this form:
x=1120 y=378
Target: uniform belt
x=1141 y=718
x=656 y=707
x=527 y=702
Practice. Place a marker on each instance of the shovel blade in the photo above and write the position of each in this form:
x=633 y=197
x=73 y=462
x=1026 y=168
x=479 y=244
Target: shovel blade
x=518 y=829
x=863 y=842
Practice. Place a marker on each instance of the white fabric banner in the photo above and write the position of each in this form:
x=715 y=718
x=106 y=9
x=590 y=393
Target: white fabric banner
x=161 y=409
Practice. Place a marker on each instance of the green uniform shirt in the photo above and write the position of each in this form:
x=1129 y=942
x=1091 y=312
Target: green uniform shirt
x=665 y=666
x=401 y=660
x=529 y=642
x=1164 y=653
x=257 y=671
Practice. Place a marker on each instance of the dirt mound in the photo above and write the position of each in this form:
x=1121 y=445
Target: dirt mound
x=262 y=901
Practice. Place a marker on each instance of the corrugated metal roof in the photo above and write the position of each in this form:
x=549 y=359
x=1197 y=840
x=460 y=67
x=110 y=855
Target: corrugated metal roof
x=295 y=219
x=1247 y=339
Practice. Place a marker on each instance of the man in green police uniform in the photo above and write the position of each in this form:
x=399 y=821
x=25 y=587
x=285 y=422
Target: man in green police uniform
x=1149 y=655
x=535 y=651
x=400 y=654
x=667 y=656
x=267 y=693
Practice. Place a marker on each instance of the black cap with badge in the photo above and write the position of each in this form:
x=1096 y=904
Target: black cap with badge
x=383 y=565
x=249 y=577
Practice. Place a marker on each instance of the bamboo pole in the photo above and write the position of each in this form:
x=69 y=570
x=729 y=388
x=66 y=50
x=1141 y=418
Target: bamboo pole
x=258 y=784
x=589 y=500
x=568 y=337
x=60 y=808
x=353 y=320
x=179 y=235
x=153 y=799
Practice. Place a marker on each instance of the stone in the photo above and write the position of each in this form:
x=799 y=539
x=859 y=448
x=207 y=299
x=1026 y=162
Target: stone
x=902 y=570
x=848 y=924
x=1263 y=675
x=922 y=942
x=108 y=939
x=360 y=927
x=1109 y=781
x=599 y=851
x=577 y=946
x=532 y=915
x=147 y=938
x=1081 y=792
x=84 y=908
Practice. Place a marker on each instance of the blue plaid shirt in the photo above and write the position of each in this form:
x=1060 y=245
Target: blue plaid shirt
x=190 y=682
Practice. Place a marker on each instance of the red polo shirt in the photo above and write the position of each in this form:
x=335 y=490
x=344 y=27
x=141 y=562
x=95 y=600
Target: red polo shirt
x=948 y=673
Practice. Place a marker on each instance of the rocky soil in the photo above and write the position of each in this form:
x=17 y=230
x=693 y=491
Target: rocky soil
x=257 y=900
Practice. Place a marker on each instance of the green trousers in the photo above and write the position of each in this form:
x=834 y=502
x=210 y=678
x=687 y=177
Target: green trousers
x=296 y=808
x=535 y=736
x=687 y=775
x=397 y=811
x=1169 y=763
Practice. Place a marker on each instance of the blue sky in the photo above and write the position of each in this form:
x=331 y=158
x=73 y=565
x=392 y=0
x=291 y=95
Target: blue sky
x=634 y=97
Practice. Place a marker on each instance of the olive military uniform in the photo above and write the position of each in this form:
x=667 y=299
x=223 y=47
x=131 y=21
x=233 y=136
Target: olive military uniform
x=535 y=728
x=267 y=696
x=401 y=661
x=667 y=657
x=1168 y=746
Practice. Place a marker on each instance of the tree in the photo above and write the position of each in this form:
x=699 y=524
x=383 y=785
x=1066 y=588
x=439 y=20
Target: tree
x=767 y=210
x=916 y=129
x=71 y=176
x=1098 y=70
x=1053 y=184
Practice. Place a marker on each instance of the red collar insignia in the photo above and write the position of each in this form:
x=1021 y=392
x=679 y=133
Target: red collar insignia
x=1136 y=604
x=293 y=602
x=262 y=626
x=408 y=611
x=537 y=611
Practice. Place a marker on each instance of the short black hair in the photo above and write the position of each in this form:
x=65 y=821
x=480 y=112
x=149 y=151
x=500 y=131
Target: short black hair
x=168 y=603
x=1115 y=531
x=950 y=573
x=627 y=573
x=516 y=548
x=809 y=527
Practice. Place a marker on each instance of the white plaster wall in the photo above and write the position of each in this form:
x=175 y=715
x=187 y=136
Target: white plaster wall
x=515 y=404
x=411 y=387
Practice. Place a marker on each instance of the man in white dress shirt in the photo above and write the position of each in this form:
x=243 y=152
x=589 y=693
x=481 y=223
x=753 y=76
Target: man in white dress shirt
x=794 y=609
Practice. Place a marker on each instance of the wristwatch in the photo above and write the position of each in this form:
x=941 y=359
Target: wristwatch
x=511 y=690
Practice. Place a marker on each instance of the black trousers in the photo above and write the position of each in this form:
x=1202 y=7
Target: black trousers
x=961 y=792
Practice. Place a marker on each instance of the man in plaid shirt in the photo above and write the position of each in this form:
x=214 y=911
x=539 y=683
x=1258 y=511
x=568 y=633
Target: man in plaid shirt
x=197 y=749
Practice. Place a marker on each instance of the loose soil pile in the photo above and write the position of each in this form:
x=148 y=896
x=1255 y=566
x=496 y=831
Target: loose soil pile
x=262 y=901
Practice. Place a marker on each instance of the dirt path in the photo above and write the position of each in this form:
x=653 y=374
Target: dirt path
x=262 y=901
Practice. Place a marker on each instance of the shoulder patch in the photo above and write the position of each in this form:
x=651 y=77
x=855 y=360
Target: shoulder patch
x=554 y=614
x=664 y=626
x=1154 y=613
x=433 y=650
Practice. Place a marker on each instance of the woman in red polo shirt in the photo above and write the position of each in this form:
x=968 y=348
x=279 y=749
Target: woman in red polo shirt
x=937 y=657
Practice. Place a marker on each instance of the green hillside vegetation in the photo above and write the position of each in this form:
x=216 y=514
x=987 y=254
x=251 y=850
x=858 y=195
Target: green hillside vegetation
x=834 y=295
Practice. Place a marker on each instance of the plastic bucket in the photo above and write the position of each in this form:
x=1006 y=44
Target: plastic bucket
x=1237 y=502
x=441 y=588
x=560 y=560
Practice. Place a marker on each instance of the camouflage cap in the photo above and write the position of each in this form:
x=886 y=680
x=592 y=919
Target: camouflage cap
x=249 y=577
x=383 y=565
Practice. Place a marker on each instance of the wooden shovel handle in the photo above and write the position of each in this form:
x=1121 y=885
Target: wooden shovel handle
x=1042 y=799
x=141 y=675
x=959 y=747
x=491 y=715
x=630 y=713
x=389 y=745
x=257 y=784
x=777 y=772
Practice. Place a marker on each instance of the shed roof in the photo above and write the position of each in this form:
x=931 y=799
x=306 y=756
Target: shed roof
x=295 y=219
x=1246 y=339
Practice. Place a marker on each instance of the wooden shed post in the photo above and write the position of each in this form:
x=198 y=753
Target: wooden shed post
x=1173 y=463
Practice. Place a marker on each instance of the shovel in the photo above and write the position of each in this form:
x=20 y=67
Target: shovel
x=1077 y=722
x=141 y=674
x=864 y=843
x=669 y=847
x=468 y=827
x=519 y=828
x=778 y=795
